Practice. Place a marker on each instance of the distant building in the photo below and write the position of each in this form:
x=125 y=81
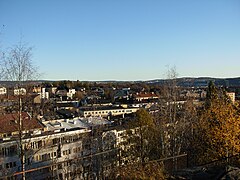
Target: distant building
x=39 y=95
x=37 y=89
x=145 y=96
x=3 y=90
x=106 y=111
x=122 y=94
x=52 y=90
x=20 y=91
x=61 y=92
x=44 y=94
x=71 y=93
x=231 y=95
x=203 y=94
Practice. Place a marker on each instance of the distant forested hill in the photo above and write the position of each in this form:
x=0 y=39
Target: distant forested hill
x=202 y=81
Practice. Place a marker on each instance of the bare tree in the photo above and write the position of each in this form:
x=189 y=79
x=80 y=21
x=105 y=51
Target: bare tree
x=170 y=124
x=175 y=119
x=16 y=65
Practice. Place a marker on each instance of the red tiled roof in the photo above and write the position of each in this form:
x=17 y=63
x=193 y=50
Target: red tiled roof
x=10 y=122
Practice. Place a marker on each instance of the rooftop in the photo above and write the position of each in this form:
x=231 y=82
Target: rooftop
x=76 y=123
x=10 y=122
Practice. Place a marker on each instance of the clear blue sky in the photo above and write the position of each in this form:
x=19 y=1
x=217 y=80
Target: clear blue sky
x=126 y=39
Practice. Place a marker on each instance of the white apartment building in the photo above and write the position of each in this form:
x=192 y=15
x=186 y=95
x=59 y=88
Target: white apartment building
x=61 y=151
x=42 y=151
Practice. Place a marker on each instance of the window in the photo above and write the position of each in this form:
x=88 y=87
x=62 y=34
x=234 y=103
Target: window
x=56 y=140
x=13 y=150
x=45 y=157
x=67 y=152
x=32 y=145
x=7 y=165
x=36 y=158
x=39 y=144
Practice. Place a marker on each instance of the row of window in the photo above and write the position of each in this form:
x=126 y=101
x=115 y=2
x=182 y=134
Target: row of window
x=12 y=150
x=66 y=152
x=74 y=150
x=67 y=139
x=77 y=150
x=36 y=145
x=8 y=165
x=107 y=112
x=8 y=151
x=45 y=157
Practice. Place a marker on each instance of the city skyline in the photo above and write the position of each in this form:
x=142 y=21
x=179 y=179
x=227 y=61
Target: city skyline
x=126 y=40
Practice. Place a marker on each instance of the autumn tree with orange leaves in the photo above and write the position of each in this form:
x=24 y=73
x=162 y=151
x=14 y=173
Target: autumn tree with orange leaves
x=218 y=129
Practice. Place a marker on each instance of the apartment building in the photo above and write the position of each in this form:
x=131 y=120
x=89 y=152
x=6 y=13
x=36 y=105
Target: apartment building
x=63 y=148
x=106 y=111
